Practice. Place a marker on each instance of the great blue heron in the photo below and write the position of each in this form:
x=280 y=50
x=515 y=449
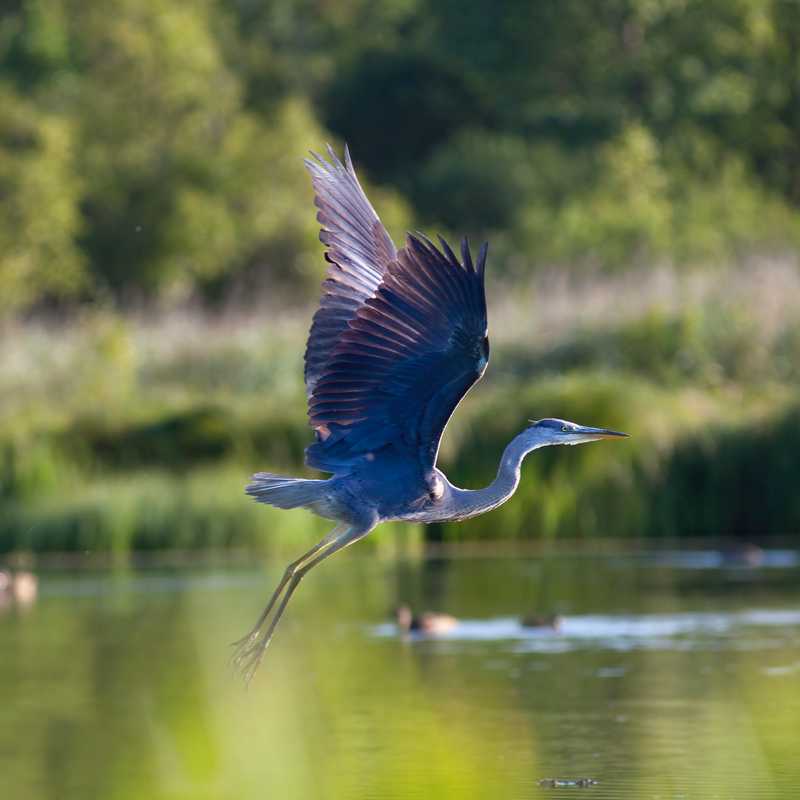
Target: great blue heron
x=399 y=338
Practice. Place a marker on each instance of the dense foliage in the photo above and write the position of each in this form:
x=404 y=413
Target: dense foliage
x=635 y=163
x=155 y=151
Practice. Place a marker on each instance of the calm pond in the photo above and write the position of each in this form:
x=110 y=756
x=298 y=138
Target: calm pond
x=672 y=675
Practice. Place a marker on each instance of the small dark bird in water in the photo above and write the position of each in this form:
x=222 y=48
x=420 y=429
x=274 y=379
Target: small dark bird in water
x=398 y=340
x=428 y=623
x=550 y=622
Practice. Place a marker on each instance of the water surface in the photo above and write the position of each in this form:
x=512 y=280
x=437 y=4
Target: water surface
x=673 y=675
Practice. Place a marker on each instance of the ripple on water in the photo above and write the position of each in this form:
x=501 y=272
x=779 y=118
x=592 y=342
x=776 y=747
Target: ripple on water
x=741 y=630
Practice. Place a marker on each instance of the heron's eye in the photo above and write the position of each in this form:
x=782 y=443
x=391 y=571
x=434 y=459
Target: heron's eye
x=564 y=428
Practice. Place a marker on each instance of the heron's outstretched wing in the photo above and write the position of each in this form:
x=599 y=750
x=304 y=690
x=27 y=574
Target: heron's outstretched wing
x=358 y=250
x=408 y=356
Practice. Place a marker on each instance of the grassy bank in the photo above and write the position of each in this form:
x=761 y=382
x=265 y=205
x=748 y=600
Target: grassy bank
x=133 y=433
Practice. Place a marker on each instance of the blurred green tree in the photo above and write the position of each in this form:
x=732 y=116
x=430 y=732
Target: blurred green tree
x=606 y=135
x=164 y=139
x=40 y=219
x=184 y=183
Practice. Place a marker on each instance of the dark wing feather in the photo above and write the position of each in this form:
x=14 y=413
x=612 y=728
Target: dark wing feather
x=358 y=250
x=405 y=361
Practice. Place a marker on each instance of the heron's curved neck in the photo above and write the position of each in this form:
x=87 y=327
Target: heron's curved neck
x=471 y=502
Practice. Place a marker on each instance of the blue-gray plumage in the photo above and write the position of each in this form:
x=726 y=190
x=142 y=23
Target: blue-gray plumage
x=399 y=338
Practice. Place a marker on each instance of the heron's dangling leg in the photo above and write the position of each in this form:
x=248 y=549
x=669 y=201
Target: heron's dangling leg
x=250 y=650
x=290 y=570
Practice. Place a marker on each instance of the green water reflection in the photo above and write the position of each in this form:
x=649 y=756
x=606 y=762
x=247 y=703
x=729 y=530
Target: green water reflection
x=672 y=677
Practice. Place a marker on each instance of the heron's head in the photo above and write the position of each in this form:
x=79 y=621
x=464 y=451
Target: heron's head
x=561 y=431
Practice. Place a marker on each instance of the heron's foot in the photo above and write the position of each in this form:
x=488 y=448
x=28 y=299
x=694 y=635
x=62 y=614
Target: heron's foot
x=250 y=651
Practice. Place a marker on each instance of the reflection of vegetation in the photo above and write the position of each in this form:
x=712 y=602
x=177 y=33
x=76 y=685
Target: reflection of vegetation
x=117 y=686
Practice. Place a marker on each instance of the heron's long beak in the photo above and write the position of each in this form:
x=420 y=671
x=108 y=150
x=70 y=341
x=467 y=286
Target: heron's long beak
x=601 y=433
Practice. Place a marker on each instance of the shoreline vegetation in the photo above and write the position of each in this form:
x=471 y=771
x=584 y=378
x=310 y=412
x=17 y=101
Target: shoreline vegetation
x=139 y=432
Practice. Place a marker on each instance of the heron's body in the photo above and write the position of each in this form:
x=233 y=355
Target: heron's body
x=398 y=340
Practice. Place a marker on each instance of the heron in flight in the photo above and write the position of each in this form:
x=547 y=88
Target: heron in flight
x=399 y=338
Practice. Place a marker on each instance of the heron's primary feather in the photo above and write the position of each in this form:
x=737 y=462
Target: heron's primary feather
x=404 y=361
x=358 y=250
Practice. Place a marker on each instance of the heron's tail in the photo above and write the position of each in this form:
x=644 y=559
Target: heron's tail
x=283 y=492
